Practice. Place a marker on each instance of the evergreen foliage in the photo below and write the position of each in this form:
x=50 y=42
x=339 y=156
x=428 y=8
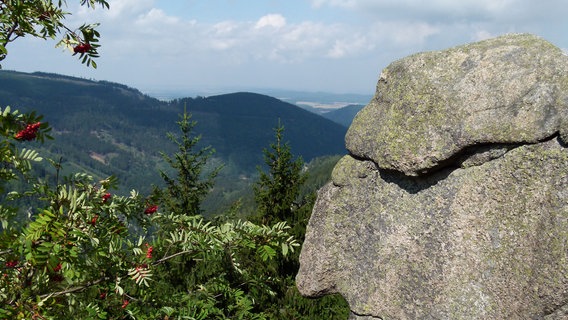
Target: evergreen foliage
x=84 y=252
x=184 y=194
x=344 y=116
x=107 y=129
x=87 y=253
x=276 y=192
x=277 y=195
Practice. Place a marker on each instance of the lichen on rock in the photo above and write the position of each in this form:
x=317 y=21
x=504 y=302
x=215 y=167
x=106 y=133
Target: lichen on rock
x=453 y=203
x=430 y=106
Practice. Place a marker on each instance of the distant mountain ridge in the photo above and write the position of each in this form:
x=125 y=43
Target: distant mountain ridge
x=251 y=117
x=109 y=128
x=344 y=116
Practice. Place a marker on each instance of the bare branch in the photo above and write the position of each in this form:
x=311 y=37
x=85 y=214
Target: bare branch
x=171 y=256
x=74 y=289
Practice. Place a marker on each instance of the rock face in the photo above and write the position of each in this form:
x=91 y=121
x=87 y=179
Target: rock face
x=454 y=201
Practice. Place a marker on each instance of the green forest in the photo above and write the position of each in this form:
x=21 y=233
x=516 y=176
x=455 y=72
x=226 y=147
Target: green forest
x=106 y=128
x=115 y=205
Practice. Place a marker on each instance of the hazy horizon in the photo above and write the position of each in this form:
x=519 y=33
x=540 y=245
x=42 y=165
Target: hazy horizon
x=336 y=46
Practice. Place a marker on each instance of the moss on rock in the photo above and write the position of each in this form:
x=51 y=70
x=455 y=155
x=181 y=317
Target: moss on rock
x=454 y=202
x=430 y=106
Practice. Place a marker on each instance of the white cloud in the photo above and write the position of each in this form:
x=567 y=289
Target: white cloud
x=334 y=3
x=350 y=46
x=224 y=28
x=119 y=9
x=271 y=20
x=137 y=26
x=324 y=42
x=155 y=17
x=122 y=8
x=452 y=10
x=339 y=50
x=405 y=34
x=269 y=38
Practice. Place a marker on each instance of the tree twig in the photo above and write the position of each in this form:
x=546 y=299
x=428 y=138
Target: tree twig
x=95 y=282
x=74 y=289
x=171 y=256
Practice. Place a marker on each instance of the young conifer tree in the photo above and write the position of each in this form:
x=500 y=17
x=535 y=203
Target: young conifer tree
x=278 y=197
x=277 y=191
x=185 y=191
x=85 y=254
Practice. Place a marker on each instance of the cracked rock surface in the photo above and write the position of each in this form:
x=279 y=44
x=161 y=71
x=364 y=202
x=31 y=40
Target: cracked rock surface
x=430 y=106
x=454 y=201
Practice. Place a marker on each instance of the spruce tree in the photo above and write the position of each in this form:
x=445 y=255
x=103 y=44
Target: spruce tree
x=277 y=191
x=278 y=197
x=184 y=192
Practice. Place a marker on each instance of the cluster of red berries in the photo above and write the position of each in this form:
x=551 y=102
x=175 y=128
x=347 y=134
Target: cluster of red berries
x=56 y=276
x=151 y=209
x=11 y=264
x=106 y=196
x=149 y=251
x=29 y=133
x=94 y=220
x=82 y=48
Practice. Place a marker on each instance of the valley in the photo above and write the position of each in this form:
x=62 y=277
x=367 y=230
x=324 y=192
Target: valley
x=107 y=128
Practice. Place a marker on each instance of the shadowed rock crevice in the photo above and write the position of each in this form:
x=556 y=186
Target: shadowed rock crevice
x=454 y=201
x=468 y=157
x=481 y=153
x=428 y=107
x=558 y=313
x=364 y=317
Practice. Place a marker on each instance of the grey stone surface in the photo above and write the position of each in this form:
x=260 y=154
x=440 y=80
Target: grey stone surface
x=431 y=106
x=460 y=218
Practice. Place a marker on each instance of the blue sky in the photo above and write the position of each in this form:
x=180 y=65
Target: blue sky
x=337 y=46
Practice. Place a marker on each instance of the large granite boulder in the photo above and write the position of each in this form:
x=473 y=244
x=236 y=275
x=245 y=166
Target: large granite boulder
x=453 y=203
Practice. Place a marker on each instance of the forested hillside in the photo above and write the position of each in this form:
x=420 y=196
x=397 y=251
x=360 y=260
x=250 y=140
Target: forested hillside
x=107 y=128
x=239 y=125
x=345 y=115
x=73 y=246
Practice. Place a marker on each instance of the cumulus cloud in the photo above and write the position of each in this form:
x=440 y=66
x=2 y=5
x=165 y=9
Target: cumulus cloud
x=155 y=17
x=450 y=10
x=224 y=28
x=269 y=38
x=436 y=24
x=271 y=20
x=350 y=46
x=323 y=35
x=391 y=24
x=403 y=33
x=334 y=3
x=120 y=10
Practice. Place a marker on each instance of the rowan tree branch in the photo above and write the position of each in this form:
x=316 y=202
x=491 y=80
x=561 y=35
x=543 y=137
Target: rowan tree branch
x=74 y=289
x=95 y=282
x=171 y=256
